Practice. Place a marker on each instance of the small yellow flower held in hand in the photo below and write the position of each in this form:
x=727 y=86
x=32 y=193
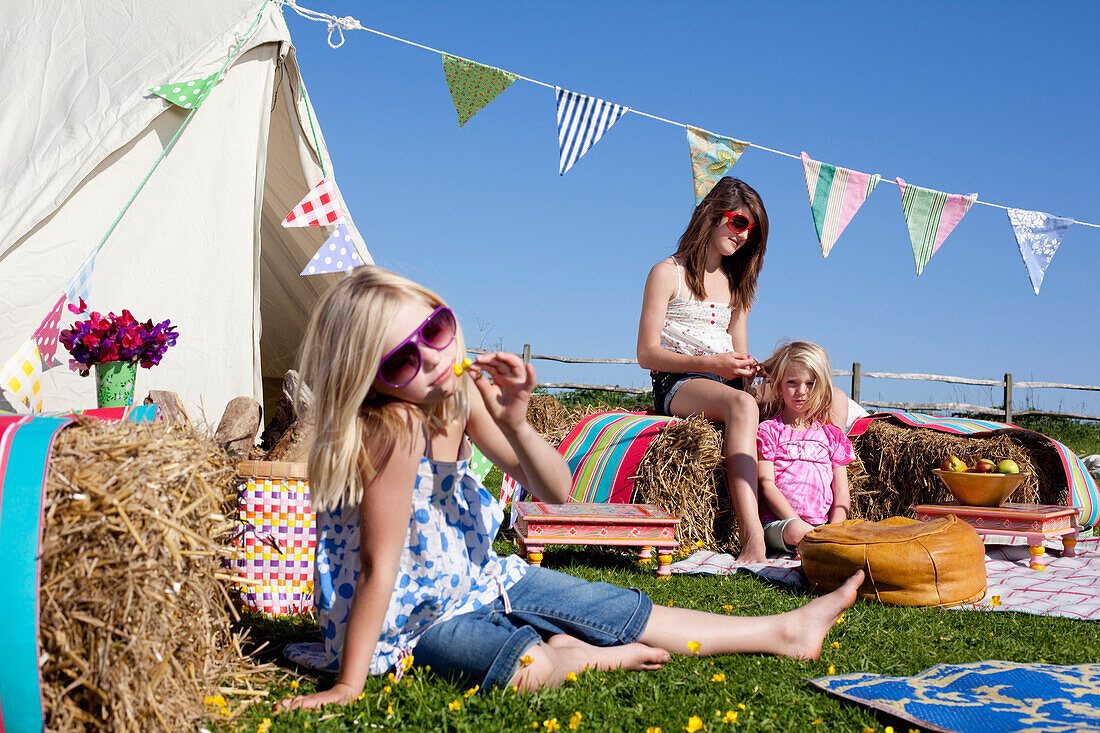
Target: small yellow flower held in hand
x=694 y=647
x=575 y=720
x=835 y=645
x=526 y=660
x=832 y=669
x=995 y=601
x=472 y=691
x=551 y=725
x=454 y=705
x=730 y=716
x=571 y=677
x=695 y=723
x=718 y=678
x=727 y=608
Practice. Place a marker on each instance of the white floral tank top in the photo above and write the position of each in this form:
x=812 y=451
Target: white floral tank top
x=695 y=327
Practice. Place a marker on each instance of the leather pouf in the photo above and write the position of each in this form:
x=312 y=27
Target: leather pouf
x=907 y=563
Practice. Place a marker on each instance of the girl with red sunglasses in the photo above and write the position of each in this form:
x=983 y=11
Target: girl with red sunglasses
x=405 y=568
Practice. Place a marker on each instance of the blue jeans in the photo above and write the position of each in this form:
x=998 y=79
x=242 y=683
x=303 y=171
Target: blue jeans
x=666 y=384
x=484 y=646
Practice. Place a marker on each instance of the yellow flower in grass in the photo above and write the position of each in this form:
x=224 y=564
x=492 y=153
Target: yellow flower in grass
x=840 y=620
x=294 y=684
x=869 y=730
x=454 y=705
x=645 y=560
x=264 y=726
x=575 y=720
x=391 y=677
x=361 y=696
x=695 y=723
x=730 y=716
x=819 y=721
x=694 y=647
x=389 y=709
x=653 y=729
x=526 y=660
x=718 y=678
x=832 y=669
x=472 y=691
x=741 y=705
x=407 y=663
x=888 y=729
x=216 y=700
x=698 y=543
x=535 y=724
x=727 y=608
x=551 y=725
x=669 y=604
x=386 y=689
x=835 y=645
x=570 y=677
x=995 y=601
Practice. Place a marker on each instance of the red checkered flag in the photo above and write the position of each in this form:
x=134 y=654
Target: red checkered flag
x=317 y=209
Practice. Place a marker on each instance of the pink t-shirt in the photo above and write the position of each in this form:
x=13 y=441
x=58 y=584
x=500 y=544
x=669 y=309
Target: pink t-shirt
x=804 y=461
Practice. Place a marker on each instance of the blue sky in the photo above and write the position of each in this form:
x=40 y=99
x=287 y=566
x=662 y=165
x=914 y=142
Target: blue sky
x=993 y=98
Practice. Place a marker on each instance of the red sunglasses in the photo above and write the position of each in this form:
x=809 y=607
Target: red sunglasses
x=737 y=222
x=403 y=362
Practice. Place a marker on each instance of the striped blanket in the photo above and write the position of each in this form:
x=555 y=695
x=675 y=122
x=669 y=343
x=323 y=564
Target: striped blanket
x=603 y=452
x=25 y=442
x=1082 y=489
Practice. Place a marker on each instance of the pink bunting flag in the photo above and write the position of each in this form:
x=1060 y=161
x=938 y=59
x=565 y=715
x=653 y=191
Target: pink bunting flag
x=931 y=216
x=317 y=209
x=46 y=335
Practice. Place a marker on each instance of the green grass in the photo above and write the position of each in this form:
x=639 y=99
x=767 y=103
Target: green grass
x=1083 y=436
x=873 y=638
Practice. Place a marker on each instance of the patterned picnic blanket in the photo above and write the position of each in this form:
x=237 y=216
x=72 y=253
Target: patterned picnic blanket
x=603 y=452
x=1069 y=587
x=1082 y=489
x=982 y=696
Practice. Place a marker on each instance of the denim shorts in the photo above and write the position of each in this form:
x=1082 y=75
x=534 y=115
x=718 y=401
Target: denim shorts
x=666 y=384
x=484 y=646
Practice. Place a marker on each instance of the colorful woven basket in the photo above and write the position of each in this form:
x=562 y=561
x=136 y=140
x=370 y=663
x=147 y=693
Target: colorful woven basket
x=277 y=536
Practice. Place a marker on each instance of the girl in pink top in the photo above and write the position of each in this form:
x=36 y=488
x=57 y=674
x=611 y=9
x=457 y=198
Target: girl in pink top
x=801 y=454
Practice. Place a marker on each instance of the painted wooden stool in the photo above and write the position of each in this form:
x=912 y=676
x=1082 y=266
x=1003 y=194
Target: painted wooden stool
x=643 y=525
x=1036 y=522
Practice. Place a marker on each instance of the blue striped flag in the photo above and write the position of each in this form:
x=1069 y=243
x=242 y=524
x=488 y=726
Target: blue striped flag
x=582 y=121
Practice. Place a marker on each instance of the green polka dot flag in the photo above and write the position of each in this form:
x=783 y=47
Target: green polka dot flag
x=186 y=94
x=479 y=464
x=473 y=85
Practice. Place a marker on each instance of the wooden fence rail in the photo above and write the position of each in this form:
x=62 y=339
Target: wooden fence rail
x=1005 y=410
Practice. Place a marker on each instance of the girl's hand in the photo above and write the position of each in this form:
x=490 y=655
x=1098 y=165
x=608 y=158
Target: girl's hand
x=339 y=693
x=731 y=365
x=507 y=395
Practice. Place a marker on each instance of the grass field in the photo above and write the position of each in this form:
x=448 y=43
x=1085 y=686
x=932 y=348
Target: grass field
x=727 y=693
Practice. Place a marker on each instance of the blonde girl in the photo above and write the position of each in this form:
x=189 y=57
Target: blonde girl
x=405 y=569
x=802 y=454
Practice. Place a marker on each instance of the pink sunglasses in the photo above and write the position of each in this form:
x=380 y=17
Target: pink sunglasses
x=737 y=222
x=403 y=362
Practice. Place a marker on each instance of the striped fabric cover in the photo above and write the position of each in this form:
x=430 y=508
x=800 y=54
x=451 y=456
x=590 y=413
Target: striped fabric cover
x=931 y=216
x=835 y=196
x=582 y=121
x=603 y=452
x=1083 y=490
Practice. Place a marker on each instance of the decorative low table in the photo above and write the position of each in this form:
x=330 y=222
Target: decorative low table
x=1036 y=522
x=644 y=525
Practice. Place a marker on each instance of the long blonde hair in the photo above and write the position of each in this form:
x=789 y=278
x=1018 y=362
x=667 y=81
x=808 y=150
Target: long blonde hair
x=356 y=429
x=812 y=357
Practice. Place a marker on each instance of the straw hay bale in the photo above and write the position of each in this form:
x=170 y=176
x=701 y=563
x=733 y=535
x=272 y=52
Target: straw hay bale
x=136 y=623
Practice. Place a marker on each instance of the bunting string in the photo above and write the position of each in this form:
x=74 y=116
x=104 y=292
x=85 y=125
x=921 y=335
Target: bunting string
x=339 y=25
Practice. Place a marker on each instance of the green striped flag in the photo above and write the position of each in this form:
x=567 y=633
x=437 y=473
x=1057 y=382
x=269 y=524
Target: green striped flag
x=930 y=216
x=835 y=196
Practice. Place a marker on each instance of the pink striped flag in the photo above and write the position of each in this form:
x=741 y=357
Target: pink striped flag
x=318 y=208
x=930 y=216
x=835 y=196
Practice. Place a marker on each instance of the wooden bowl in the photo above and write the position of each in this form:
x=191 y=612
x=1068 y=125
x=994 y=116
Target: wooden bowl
x=980 y=489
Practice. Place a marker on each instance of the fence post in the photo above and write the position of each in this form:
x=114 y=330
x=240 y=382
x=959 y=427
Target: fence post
x=855 y=381
x=1008 y=397
x=527 y=353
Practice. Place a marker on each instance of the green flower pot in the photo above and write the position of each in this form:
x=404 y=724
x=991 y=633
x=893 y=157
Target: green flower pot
x=114 y=383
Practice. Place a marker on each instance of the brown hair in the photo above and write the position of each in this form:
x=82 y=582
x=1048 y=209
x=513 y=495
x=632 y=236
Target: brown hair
x=743 y=267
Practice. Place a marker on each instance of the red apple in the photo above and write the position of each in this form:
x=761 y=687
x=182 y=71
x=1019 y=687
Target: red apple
x=953 y=464
x=984 y=465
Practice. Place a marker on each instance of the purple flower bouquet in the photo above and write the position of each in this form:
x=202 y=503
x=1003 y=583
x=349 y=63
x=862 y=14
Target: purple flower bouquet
x=100 y=339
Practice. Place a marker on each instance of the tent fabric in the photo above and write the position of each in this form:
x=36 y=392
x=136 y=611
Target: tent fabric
x=201 y=243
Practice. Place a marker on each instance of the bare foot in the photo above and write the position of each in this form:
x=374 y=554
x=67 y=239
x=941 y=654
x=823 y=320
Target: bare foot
x=805 y=628
x=753 y=551
x=634 y=656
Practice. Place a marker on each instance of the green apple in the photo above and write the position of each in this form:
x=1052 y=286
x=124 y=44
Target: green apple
x=953 y=464
x=1008 y=466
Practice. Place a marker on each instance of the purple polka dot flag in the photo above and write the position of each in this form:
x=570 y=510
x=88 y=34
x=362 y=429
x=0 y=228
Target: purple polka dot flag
x=582 y=121
x=337 y=254
x=317 y=209
x=473 y=85
x=1039 y=236
x=185 y=94
x=835 y=196
x=931 y=216
x=46 y=335
x=711 y=158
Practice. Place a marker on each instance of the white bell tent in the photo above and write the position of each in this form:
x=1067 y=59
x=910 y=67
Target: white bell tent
x=202 y=243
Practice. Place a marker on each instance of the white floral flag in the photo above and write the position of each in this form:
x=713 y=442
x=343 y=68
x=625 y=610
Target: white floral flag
x=1038 y=235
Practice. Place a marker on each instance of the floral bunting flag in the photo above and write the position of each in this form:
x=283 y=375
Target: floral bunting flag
x=46 y=335
x=337 y=254
x=186 y=94
x=711 y=157
x=1039 y=236
x=473 y=85
x=835 y=196
x=931 y=216
x=317 y=209
x=582 y=121
x=21 y=373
